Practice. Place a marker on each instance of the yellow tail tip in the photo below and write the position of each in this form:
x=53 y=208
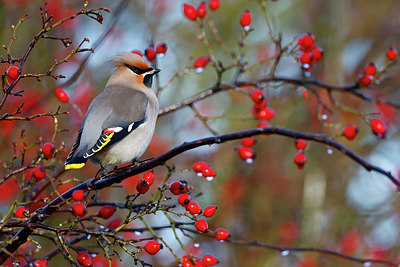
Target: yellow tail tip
x=74 y=166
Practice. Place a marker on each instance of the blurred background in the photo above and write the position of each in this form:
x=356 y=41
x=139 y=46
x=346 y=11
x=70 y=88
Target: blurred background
x=332 y=203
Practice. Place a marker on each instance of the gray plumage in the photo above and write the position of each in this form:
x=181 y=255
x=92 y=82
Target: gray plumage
x=120 y=121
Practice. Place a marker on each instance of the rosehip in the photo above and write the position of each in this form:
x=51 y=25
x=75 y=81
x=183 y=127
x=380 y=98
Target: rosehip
x=365 y=80
x=184 y=199
x=79 y=209
x=39 y=172
x=391 y=54
x=152 y=247
x=208 y=172
x=209 y=211
x=61 y=95
x=200 y=63
x=187 y=264
x=221 y=234
x=245 y=20
x=78 y=195
x=300 y=144
x=307 y=42
x=248 y=141
x=370 y=69
x=201 y=226
x=12 y=73
x=214 y=4
x=137 y=52
x=189 y=11
x=20 y=212
x=84 y=259
x=260 y=106
x=107 y=211
x=202 y=10
x=305 y=58
x=199 y=167
x=266 y=114
x=378 y=127
x=150 y=53
x=262 y=124
x=142 y=186
x=114 y=223
x=246 y=154
x=257 y=96
x=176 y=188
x=317 y=55
x=350 y=132
x=193 y=208
x=48 y=150
x=300 y=159
x=40 y=263
x=209 y=260
x=161 y=49
x=149 y=177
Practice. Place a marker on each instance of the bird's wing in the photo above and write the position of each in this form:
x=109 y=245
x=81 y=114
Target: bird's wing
x=128 y=112
x=73 y=162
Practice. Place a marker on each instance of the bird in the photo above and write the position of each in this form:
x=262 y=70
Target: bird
x=120 y=122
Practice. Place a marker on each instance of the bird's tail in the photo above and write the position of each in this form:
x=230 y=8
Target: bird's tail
x=75 y=162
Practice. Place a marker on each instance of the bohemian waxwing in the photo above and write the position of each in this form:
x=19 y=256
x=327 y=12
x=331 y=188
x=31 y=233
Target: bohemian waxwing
x=120 y=122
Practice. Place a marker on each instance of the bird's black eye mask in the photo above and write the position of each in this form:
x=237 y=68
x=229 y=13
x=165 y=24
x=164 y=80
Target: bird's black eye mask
x=137 y=70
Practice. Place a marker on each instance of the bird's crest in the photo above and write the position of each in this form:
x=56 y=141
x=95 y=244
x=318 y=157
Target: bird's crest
x=131 y=59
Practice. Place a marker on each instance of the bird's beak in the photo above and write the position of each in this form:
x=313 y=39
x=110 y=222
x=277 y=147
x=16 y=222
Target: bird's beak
x=155 y=71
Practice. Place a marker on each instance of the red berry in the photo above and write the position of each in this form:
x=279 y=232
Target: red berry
x=198 y=263
x=201 y=226
x=20 y=212
x=176 y=188
x=209 y=211
x=84 y=259
x=150 y=53
x=12 y=73
x=305 y=58
x=248 y=141
x=214 y=4
x=202 y=10
x=189 y=11
x=266 y=114
x=259 y=106
x=257 y=96
x=61 y=95
x=114 y=223
x=149 y=177
x=300 y=159
x=152 y=247
x=184 y=199
x=193 y=208
x=107 y=211
x=370 y=69
x=39 y=172
x=378 y=127
x=79 y=209
x=40 y=263
x=209 y=260
x=137 y=52
x=208 y=172
x=246 y=154
x=300 y=144
x=161 y=49
x=350 y=132
x=78 y=195
x=200 y=63
x=221 y=234
x=365 y=80
x=142 y=186
x=187 y=264
x=48 y=150
x=391 y=54
x=245 y=20
x=316 y=55
x=307 y=42
x=200 y=166
x=262 y=124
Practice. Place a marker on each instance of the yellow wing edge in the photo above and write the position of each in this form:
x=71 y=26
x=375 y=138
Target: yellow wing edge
x=74 y=166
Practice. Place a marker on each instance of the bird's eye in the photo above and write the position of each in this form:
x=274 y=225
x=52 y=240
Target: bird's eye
x=135 y=69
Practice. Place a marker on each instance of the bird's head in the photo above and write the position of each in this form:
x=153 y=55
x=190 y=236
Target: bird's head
x=137 y=66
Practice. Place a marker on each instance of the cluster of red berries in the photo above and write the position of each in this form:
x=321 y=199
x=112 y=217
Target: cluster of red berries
x=143 y=185
x=367 y=76
x=378 y=128
x=300 y=158
x=207 y=260
x=203 y=169
x=244 y=151
x=39 y=172
x=79 y=209
x=311 y=54
x=192 y=13
x=350 y=132
x=260 y=110
x=12 y=74
x=151 y=52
